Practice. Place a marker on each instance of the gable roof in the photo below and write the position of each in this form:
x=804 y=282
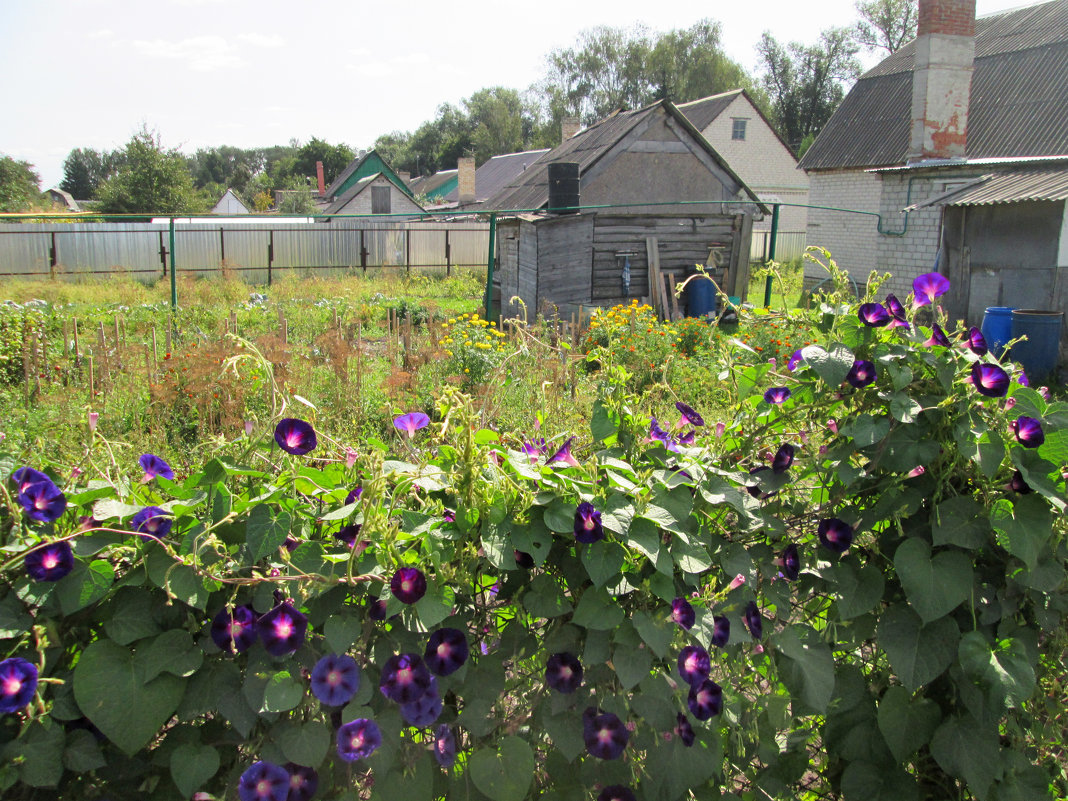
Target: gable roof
x=498 y=172
x=1018 y=106
x=358 y=187
x=530 y=189
x=702 y=112
x=430 y=184
x=369 y=163
x=227 y=203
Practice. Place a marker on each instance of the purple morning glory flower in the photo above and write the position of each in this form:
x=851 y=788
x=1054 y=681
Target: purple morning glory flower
x=154 y=466
x=446 y=651
x=927 y=287
x=444 y=746
x=795 y=359
x=753 y=621
x=303 y=782
x=411 y=422
x=604 y=734
x=1018 y=485
x=686 y=438
x=790 y=562
x=234 y=630
x=1021 y=379
x=694 y=664
x=404 y=678
x=43 y=501
x=534 y=449
x=1028 y=431
x=976 y=341
x=564 y=455
x=657 y=434
x=151 y=523
x=861 y=374
x=335 y=679
x=588 y=526
x=873 y=315
x=376 y=609
x=897 y=311
x=721 y=630
x=354 y=495
x=408 y=585
x=523 y=559
x=777 y=395
x=616 y=792
x=835 y=535
x=684 y=729
x=349 y=534
x=264 y=781
x=938 y=337
x=682 y=613
x=705 y=700
x=358 y=739
x=25 y=476
x=50 y=563
x=563 y=672
x=295 y=436
x=424 y=710
x=784 y=457
x=688 y=414
x=990 y=380
x=282 y=629
x=18 y=683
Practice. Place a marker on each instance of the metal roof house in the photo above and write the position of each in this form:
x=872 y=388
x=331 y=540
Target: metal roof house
x=660 y=178
x=736 y=127
x=494 y=174
x=370 y=163
x=376 y=194
x=959 y=143
x=436 y=187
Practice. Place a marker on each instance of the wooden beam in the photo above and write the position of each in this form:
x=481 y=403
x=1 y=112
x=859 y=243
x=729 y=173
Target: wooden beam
x=675 y=313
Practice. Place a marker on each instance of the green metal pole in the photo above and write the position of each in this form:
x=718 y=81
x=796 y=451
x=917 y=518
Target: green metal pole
x=174 y=281
x=771 y=252
x=488 y=304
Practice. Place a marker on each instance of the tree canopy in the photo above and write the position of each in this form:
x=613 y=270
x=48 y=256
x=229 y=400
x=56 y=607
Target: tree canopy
x=85 y=169
x=19 y=185
x=151 y=180
x=886 y=24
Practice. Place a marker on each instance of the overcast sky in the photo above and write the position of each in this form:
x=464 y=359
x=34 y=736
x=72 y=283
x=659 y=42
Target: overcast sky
x=251 y=73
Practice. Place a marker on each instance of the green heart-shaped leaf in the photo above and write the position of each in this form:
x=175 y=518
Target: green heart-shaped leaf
x=504 y=774
x=192 y=765
x=935 y=587
x=917 y=653
x=906 y=723
x=109 y=682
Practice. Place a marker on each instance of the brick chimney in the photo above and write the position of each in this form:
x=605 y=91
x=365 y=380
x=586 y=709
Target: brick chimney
x=405 y=176
x=569 y=126
x=942 y=79
x=322 y=179
x=465 y=179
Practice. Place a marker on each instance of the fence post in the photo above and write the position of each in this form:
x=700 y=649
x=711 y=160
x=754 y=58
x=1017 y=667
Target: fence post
x=408 y=251
x=162 y=254
x=270 y=255
x=174 y=282
x=489 y=266
x=52 y=259
x=771 y=252
x=222 y=245
x=363 y=253
x=448 y=255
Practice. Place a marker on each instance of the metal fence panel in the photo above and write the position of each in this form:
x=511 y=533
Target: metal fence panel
x=789 y=245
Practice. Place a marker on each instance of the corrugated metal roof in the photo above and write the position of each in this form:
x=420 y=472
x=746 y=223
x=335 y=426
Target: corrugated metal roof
x=702 y=112
x=530 y=189
x=1019 y=98
x=498 y=172
x=426 y=184
x=1016 y=186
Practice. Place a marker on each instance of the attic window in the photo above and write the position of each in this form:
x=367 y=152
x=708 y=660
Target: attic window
x=738 y=128
x=380 y=200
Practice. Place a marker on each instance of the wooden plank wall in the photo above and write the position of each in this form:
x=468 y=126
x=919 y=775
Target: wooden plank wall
x=565 y=246
x=684 y=241
x=528 y=267
x=507 y=275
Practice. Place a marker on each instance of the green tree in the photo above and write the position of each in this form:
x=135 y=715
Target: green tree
x=806 y=83
x=496 y=119
x=85 y=169
x=885 y=24
x=152 y=180
x=20 y=185
x=335 y=158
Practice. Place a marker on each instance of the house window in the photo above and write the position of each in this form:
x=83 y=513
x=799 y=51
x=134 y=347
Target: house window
x=738 y=129
x=379 y=200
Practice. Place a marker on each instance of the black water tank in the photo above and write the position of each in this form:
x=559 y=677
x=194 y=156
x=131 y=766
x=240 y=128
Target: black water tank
x=564 y=187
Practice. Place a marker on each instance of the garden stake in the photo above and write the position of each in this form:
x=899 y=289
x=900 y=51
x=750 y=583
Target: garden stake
x=118 y=358
x=77 y=349
x=63 y=350
x=168 y=351
x=92 y=388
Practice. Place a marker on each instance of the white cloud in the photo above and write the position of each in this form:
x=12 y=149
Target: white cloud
x=200 y=53
x=103 y=33
x=397 y=65
x=262 y=39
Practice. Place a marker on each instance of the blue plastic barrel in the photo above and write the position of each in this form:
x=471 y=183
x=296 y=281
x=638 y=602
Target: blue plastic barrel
x=700 y=298
x=1039 y=354
x=997 y=327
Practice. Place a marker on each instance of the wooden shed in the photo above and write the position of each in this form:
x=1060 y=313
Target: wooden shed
x=649 y=185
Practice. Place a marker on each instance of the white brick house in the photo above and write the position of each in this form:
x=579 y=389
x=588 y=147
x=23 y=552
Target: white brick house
x=740 y=133
x=968 y=99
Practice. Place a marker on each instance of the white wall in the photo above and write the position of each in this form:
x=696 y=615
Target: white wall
x=399 y=203
x=852 y=239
